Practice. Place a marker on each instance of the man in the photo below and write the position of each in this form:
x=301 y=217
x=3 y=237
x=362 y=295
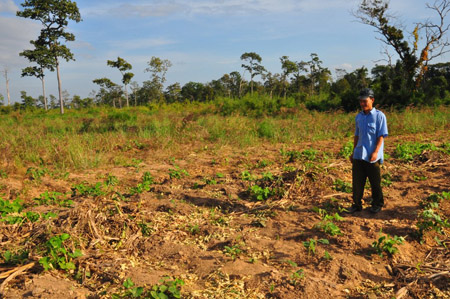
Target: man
x=368 y=143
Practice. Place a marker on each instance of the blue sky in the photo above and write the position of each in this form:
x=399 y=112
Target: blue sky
x=203 y=39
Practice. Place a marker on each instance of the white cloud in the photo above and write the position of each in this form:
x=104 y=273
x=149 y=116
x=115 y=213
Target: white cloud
x=159 y=8
x=139 y=44
x=15 y=34
x=8 y=6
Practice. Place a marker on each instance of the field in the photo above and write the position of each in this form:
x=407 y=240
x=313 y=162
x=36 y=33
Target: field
x=165 y=204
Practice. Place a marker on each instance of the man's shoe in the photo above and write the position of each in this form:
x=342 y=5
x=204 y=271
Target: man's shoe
x=354 y=209
x=375 y=209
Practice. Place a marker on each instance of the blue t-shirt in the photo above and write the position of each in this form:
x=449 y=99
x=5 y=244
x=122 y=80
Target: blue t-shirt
x=369 y=127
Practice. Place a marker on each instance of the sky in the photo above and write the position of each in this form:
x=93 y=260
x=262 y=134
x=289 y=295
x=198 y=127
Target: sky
x=203 y=39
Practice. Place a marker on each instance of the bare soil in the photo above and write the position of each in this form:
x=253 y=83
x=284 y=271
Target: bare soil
x=207 y=230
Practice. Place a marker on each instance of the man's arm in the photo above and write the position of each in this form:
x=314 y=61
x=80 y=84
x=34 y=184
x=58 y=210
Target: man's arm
x=374 y=155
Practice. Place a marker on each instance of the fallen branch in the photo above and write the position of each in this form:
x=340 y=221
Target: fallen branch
x=13 y=274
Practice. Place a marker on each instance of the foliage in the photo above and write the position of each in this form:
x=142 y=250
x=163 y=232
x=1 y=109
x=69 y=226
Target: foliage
x=409 y=151
x=259 y=193
x=386 y=245
x=340 y=185
x=233 y=251
x=177 y=172
x=58 y=255
x=145 y=185
x=51 y=198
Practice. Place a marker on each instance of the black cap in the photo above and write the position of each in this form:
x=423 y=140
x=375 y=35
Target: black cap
x=366 y=93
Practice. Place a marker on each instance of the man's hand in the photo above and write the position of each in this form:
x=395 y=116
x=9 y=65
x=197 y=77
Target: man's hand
x=374 y=156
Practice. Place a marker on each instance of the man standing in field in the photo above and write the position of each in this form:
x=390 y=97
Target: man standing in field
x=367 y=156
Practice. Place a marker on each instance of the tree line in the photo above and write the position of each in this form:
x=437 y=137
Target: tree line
x=410 y=80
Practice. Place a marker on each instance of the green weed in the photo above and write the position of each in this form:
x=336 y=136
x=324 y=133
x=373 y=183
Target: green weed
x=340 y=185
x=260 y=194
x=3 y=174
x=346 y=150
x=409 y=151
x=311 y=246
x=54 y=198
x=144 y=186
x=233 y=251
x=15 y=258
x=247 y=176
x=58 y=256
x=177 y=173
x=387 y=245
x=36 y=173
x=429 y=220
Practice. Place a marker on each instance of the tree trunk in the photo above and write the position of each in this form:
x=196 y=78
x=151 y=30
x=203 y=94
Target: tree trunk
x=126 y=96
x=61 y=102
x=43 y=93
x=7 y=88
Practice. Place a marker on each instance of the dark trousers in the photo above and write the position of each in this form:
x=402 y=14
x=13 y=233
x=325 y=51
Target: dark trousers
x=362 y=170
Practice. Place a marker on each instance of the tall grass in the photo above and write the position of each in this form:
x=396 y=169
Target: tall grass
x=90 y=138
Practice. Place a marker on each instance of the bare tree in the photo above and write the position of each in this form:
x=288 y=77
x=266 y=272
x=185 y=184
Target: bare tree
x=376 y=13
x=5 y=74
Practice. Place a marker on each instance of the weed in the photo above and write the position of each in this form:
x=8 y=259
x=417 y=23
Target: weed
x=220 y=175
x=146 y=228
x=111 y=180
x=36 y=173
x=329 y=227
x=340 y=185
x=193 y=229
x=386 y=179
x=15 y=258
x=58 y=255
x=263 y=163
x=429 y=220
x=419 y=178
x=346 y=150
x=3 y=174
x=260 y=194
x=52 y=198
x=311 y=246
x=296 y=277
x=144 y=186
x=267 y=177
x=85 y=189
x=247 y=176
x=210 y=181
x=177 y=173
x=233 y=251
x=386 y=245
x=327 y=256
x=7 y=207
x=409 y=151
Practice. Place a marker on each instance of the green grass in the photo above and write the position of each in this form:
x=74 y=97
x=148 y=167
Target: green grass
x=86 y=139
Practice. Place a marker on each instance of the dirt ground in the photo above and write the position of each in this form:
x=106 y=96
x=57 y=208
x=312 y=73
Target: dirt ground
x=206 y=229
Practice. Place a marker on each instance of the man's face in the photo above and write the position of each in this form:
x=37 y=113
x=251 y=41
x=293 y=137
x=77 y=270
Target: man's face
x=366 y=104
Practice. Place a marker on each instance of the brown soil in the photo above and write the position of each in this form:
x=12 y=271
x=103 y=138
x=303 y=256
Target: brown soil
x=221 y=243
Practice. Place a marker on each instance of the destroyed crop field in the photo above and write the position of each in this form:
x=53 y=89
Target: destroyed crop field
x=186 y=203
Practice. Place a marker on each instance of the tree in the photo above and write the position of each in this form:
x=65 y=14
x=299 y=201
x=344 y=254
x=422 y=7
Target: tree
x=375 y=13
x=44 y=60
x=27 y=101
x=254 y=66
x=54 y=16
x=5 y=74
x=111 y=88
x=158 y=68
x=288 y=68
x=123 y=67
x=1 y=100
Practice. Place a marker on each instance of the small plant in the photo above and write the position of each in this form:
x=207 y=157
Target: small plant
x=14 y=258
x=262 y=164
x=340 y=185
x=233 y=251
x=3 y=174
x=146 y=228
x=386 y=179
x=296 y=277
x=85 y=189
x=210 y=181
x=327 y=256
x=111 y=180
x=409 y=151
x=177 y=173
x=36 y=173
x=387 y=245
x=58 y=256
x=54 y=198
x=429 y=220
x=346 y=150
x=311 y=246
x=259 y=193
x=7 y=207
x=268 y=176
x=247 y=176
x=167 y=288
x=144 y=186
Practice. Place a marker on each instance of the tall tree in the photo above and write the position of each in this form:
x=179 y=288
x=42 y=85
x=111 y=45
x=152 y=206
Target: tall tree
x=44 y=60
x=107 y=84
x=123 y=67
x=288 y=68
x=415 y=61
x=158 y=68
x=254 y=66
x=54 y=16
x=5 y=74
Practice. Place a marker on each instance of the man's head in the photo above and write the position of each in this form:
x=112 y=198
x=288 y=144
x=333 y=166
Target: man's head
x=366 y=99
